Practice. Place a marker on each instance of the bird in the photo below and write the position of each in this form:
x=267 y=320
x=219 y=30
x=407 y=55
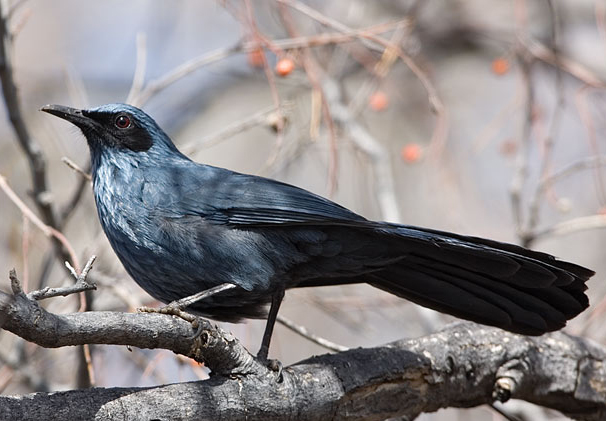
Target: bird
x=226 y=245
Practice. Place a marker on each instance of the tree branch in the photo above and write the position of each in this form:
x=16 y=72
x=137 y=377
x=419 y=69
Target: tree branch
x=463 y=365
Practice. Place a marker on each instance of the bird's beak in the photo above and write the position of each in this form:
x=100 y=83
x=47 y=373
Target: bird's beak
x=73 y=115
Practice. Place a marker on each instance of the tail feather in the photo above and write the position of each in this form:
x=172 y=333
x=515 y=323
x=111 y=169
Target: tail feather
x=494 y=283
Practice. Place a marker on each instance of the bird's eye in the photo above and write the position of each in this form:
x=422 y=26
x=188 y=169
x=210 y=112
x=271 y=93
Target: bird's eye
x=122 y=121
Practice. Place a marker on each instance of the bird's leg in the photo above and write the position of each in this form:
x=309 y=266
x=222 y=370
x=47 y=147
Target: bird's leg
x=187 y=301
x=176 y=307
x=276 y=300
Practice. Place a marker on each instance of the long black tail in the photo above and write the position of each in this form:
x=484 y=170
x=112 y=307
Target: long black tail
x=485 y=281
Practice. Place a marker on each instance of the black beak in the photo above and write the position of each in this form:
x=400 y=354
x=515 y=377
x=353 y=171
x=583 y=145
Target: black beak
x=73 y=115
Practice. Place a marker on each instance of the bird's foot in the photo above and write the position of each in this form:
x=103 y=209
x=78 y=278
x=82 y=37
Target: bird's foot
x=274 y=365
x=174 y=310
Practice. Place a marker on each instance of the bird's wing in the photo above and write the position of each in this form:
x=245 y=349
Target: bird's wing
x=226 y=197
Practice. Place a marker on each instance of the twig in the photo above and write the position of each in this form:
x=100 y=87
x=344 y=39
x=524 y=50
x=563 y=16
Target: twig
x=139 y=75
x=585 y=163
x=521 y=165
x=259 y=39
x=32 y=150
x=81 y=284
x=190 y=66
x=381 y=163
x=301 y=330
x=261 y=117
x=181 y=71
x=541 y=52
x=548 y=143
x=573 y=225
x=377 y=43
x=588 y=122
x=315 y=77
x=76 y=168
x=47 y=230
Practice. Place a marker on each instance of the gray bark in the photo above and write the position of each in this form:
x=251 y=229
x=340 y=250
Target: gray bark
x=464 y=365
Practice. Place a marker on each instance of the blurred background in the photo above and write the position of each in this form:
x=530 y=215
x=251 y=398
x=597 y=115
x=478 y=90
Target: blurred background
x=480 y=117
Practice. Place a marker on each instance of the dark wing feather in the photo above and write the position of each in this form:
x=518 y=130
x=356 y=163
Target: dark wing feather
x=240 y=199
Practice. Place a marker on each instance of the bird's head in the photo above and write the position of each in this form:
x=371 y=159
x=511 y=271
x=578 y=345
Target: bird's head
x=116 y=128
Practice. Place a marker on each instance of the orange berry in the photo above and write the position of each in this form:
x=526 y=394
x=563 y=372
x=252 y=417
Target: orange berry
x=378 y=101
x=411 y=152
x=255 y=58
x=500 y=66
x=508 y=147
x=285 y=66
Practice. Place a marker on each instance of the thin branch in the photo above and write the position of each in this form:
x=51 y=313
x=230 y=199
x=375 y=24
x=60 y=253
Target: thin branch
x=81 y=284
x=376 y=43
x=190 y=66
x=570 y=226
x=32 y=150
x=155 y=86
x=139 y=75
x=549 y=140
x=377 y=153
x=302 y=331
x=265 y=116
x=75 y=167
x=46 y=229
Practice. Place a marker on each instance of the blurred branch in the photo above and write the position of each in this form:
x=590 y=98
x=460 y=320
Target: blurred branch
x=75 y=167
x=303 y=332
x=266 y=116
x=377 y=43
x=520 y=174
x=548 y=141
x=320 y=105
x=33 y=152
x=259 y=39
x=139 y=75
x=575 y=69
x=46 y=229
x=190 y=66
x=573 y=225
x=377 y=153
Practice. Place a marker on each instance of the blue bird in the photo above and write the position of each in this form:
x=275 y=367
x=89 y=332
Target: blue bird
x=181 y=228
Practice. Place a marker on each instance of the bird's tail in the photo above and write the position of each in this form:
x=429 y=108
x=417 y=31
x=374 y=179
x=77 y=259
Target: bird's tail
x=485 y=281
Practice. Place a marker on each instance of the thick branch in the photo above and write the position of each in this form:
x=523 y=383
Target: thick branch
x=464 y=365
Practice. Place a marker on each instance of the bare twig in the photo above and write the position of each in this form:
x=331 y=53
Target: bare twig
x=139 y=75
x=568 y=170
x=573 y=225
x=190 y=66
x=261 y=117
x=521 y=165
x=46 y=229
x=181 y=71
x=316 y=79
x=302 y=330
x=588 y=122
x=378 y=43
x=32 y=150
x=81 y=284
x=548 y=141
x=381 y=163
x=76 y=168
x=541 y=52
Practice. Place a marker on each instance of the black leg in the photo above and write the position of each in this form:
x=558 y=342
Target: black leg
x=276 y=300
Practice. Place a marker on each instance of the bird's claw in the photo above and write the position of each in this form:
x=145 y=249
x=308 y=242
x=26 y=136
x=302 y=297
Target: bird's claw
x=275 y=366
x=178 y=312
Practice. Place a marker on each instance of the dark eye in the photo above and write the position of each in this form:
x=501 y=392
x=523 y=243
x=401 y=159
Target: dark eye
x=122 y=122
